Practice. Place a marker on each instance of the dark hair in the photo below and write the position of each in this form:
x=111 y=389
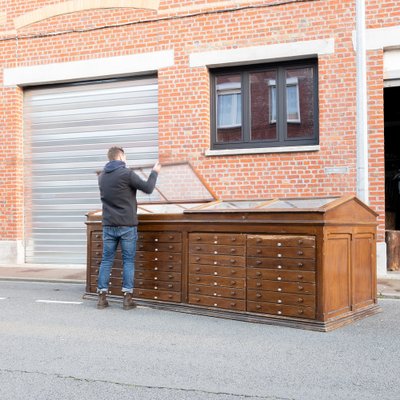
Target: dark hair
x=114 y=153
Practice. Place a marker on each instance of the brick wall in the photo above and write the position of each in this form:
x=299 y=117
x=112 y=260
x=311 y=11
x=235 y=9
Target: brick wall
x=184 y=104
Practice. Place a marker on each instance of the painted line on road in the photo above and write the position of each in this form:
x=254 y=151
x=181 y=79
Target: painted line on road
x=58 y=302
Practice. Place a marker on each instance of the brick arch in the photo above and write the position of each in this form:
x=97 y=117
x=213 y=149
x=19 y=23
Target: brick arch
x=72 y=6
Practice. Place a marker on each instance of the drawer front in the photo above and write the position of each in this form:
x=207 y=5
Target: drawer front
x=279 y=241
x=216 y=249
x=159 y=247
x=217 y=281
x=304 y=300
x=158 y=276
x=218 y=238
x=158 y=266
x=280 y=264
x=157 y=295
x=281 y=287
x=274 y=275
x=217 y=271
x=96 y=236
x=282 y=310
x=283 y=252
x=150 y=256
x=227 y=261
x=157 y=237
x=165 y=286
x=230 y=304
x=217 y=291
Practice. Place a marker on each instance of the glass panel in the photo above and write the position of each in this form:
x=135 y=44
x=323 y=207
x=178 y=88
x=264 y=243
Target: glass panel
x=263 y=105
x=300 y=103
x=312 y=203
x=229 y=108
x=175 y=183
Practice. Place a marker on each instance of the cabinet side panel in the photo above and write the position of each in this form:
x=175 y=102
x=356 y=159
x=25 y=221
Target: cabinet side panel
x=337 y=274
x=363 y=270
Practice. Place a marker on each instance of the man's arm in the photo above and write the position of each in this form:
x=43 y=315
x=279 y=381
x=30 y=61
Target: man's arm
x=145 y=186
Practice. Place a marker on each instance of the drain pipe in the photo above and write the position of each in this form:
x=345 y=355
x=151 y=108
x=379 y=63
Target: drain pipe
x=362 y=104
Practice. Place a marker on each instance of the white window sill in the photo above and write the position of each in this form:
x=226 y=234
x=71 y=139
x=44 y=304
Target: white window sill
x=262 y=150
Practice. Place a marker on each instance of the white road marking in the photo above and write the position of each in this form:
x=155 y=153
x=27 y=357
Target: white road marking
x=59 y=302
x=3 y=298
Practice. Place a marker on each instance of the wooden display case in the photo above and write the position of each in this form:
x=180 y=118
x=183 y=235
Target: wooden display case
x=304 y=263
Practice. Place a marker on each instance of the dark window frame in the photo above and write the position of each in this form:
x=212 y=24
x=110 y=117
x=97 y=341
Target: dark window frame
x=282 y=139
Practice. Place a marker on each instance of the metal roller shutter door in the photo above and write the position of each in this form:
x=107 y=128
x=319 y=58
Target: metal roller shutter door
x=68 y=129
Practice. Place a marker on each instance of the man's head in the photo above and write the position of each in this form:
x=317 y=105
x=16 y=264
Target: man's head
x=116 y=153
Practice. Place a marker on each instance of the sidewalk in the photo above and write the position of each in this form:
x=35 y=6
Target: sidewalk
x=388 y=287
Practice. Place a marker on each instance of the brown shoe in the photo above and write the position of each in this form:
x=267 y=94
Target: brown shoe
x=102 y=303
x=128 y=301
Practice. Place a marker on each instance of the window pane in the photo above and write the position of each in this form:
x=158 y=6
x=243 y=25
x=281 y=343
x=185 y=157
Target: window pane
x=229 y=108
x=300 y=103
x=263 y=105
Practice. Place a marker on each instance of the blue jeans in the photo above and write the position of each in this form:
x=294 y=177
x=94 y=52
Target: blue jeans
x=112 y=235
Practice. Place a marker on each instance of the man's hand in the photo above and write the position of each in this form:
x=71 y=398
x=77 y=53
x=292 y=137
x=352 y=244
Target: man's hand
x=157 y=167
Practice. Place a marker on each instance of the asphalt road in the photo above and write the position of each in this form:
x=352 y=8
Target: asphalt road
x=53 y=350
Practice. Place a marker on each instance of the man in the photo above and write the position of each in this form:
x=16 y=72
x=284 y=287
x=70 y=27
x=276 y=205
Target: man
x=118 y=185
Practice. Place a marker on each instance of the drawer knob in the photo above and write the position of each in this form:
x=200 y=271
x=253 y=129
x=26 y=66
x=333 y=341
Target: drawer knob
x=170 y=237
x=197 y=289
x=155 y=278
x=300 y=311
x=258 y=262
x=233 y=261
x=258 y=295
x=258 y=306
x=300 y=264
x=170 y=296
x=215 y=305
x=233 y=304
x=156 y=240
x=279 y=255
x=170 y=247
x=215 y=283
x=155 y=297
x=233 y=272
x=279 y=244
x=155 y=249
x=279 y=278
x=233 y=282
x=155 y=268
x=279 y=301
x=233 y=250
x=197 y=269
x=300 y=300
x=258 y=240
x=279 y=266
x=258 y=273
x=233 y=239
x=155 y=258
x=299 y=276
x=258 y=251
x=214 y=294
x=198 y=248
x=170 y=286
x=279 y=289
x=198 y=300
x=215 y=262
x=215 y=241
x=259 y=284
x=301 y=288
x=155 y=287
x=279 y=312
x=215 y=273
x=197 y=258
x=300 y=253
x=141 y=247
x=215 y=252
x=233 y=293
x=301 y=241
x=170 y=257
x=198 y=238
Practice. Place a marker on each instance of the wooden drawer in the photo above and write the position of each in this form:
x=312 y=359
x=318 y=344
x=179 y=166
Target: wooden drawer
x=216 y=249
x=283 y=252
x=158 y=276
x=158 y=266
x=217 y=271
x=217 y=291
x=227 y=261
x=217 y=238
x=230 y=304
x=150 y=284
x=274 y=275
x=279 y=241
x=157 y=295
x=156 y=237
x=158 y=247
x=276 y=309
x=96 y=236
x=217 y=281
x=150 y=256
x=282 y=287
x=304 y=300
x=281 y=264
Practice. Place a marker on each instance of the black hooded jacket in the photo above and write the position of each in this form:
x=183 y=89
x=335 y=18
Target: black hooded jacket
x=118 y=186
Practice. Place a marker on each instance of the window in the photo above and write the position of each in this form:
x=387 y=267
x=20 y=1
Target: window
x=265 y=106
